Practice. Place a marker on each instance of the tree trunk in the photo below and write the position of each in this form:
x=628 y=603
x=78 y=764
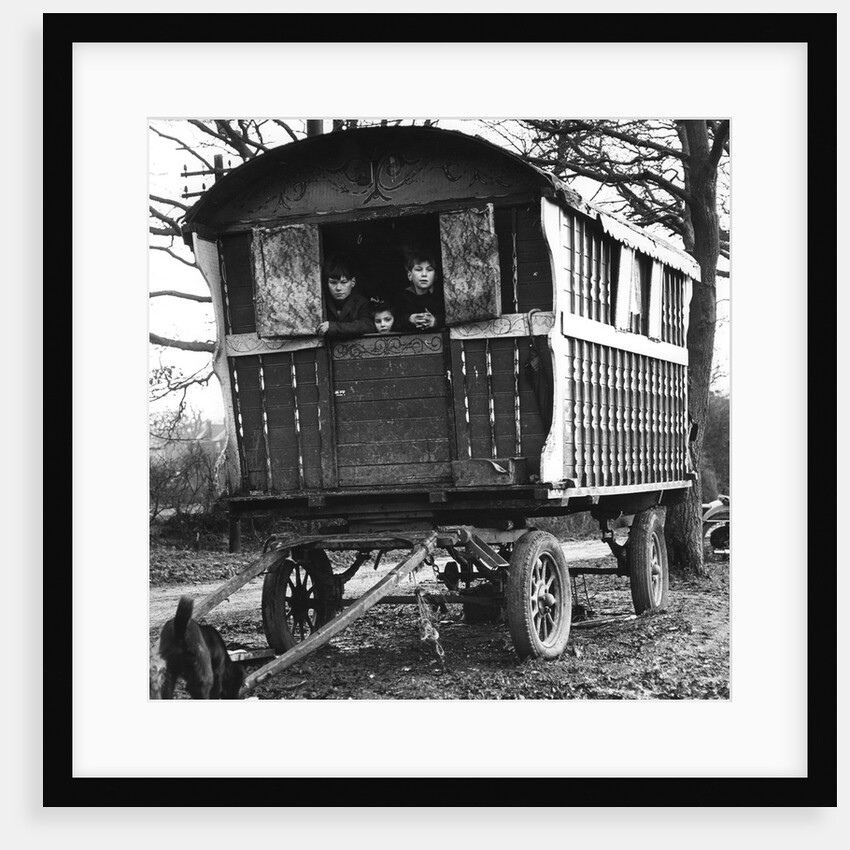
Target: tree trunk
x=683 y=529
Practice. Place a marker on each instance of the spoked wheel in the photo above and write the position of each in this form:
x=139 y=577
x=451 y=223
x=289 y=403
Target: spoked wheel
x=647 y=558
x=296 y=599
x=718 y=537
x=539 y=596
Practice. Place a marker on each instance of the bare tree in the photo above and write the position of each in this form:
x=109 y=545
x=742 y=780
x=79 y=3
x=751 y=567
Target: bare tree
x=663 y=175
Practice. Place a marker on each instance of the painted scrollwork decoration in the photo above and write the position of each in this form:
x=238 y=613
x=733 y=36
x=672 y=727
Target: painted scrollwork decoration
x=511 y=324
x=393 y=346
x=373 y=175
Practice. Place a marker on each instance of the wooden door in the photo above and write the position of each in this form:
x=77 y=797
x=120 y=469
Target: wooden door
x=392 y=410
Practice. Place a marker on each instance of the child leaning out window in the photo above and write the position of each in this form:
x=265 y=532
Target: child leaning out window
x=347 y=310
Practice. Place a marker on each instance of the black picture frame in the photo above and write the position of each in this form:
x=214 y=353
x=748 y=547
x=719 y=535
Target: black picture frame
x=819 y=787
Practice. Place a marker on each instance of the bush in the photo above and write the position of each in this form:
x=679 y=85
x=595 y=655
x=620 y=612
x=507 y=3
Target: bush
x=714 y=468
x=183 y=482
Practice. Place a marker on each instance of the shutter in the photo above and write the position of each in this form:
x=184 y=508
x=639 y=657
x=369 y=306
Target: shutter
x=470 y=254
x=287 y=280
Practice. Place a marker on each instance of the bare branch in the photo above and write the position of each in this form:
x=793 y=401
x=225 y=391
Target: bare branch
x=181 y=344
x=629 y=138
x=175 y=228
x=231 y=137
x=237 y=140
x=169 y=201
x=286 y=127
x=183 y=146
x=192 y=265
x=612 y=178
x=204 y=129
x=181 y=385
x=721 y=136
x=206 y=299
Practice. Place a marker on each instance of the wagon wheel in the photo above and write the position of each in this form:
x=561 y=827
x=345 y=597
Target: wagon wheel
x=718 y=536
x=647 y=559
x=539 y=596
x=297 y=599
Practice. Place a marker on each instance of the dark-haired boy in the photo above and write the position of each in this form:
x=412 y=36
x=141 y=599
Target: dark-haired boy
x=347 y=311
x=421 y=304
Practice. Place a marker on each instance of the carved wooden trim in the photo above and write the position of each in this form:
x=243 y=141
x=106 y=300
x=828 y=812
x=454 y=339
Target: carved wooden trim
x=590 y=331
x=509 y=325
x=206 y=256
x=554 y=462
x=388 y=346
x=241 y=345
x=636 y=239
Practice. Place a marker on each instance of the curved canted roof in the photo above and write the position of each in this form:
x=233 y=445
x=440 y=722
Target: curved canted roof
x=371 y=168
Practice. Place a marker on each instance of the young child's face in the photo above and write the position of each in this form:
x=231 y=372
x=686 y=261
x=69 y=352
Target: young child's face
x=340 y=287
x=421 y=275
x=384 y=321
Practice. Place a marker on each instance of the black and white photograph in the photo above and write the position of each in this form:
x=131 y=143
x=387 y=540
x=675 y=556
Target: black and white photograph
x=439 y=409
x=417 y=373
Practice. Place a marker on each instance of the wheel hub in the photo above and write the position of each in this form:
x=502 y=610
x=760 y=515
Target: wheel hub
x=546 y=600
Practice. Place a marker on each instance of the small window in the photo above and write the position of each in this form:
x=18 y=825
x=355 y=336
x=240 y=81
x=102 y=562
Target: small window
x=287 y=280
x=656 y=292
x=636 y=292
x=625 y=278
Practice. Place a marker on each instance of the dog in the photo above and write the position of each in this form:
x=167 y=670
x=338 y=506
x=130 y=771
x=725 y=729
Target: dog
x=196 y=654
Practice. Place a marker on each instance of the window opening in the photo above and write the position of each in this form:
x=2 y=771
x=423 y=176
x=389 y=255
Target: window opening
x=380 y=251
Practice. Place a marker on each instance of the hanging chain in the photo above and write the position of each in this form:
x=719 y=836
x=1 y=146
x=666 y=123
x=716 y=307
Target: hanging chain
x=427 y=628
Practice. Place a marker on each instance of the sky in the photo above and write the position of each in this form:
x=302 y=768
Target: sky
x=179 y=318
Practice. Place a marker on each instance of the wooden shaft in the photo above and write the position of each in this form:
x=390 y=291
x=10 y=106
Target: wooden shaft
x=342 y=621
x=263 y=563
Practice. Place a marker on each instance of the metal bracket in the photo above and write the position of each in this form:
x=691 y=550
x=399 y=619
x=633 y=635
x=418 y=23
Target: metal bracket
x=483 y=553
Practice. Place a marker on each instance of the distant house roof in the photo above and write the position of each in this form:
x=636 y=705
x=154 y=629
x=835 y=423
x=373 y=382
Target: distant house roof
x=210 y=431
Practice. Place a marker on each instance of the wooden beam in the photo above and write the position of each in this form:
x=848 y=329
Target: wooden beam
x=263 y=563
x=343 y=620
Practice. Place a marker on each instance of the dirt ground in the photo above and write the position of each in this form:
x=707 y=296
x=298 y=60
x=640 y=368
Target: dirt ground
x=681 y=653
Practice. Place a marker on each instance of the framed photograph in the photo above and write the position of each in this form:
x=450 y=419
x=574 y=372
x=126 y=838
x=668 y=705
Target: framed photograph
x=107 y=741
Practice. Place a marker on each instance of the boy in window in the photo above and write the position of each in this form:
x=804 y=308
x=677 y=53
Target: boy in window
x=347 y=311
x=420 y=306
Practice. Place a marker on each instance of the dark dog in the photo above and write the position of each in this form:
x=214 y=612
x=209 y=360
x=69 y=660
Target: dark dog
x=197 y=654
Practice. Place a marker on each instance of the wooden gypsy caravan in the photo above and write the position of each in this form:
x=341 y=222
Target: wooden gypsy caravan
x=558 y=384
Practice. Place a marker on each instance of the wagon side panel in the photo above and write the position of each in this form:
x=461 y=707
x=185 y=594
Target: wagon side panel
x=620 y=396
